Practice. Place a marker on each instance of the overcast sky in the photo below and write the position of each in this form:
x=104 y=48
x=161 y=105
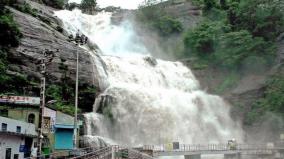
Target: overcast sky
x=126 y=4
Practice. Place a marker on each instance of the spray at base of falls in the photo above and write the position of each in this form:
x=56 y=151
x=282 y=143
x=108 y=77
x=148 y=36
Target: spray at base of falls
x=146 y=101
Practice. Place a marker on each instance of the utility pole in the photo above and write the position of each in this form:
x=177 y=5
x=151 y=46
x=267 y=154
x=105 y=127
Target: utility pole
x=48 y=57
x=76 y=99
x=79 y=40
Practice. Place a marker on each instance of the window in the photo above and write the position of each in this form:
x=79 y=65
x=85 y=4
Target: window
x=8 y=154
x=31 y=118
x=4 y=127
x=18 y=129
x=4 y=112
x=16 y=156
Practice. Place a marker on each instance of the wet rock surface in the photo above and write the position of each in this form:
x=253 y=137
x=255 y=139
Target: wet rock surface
x=38 y=36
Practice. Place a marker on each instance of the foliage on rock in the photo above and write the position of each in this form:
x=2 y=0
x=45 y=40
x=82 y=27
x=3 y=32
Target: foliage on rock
x=88 y=6
x=59 y=4
x=156 y=19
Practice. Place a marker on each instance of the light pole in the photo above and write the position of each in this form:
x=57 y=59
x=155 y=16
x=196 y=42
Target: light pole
x=48 y=57
x=78 y=40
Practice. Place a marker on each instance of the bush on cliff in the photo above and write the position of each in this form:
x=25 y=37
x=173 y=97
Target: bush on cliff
x=155 y=18
x=272 y=101
x=59 y=4
x=88 y=6
x=9 y=30
x=166 y=25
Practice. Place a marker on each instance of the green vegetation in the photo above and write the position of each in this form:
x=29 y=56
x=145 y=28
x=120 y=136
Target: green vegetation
x=12 y=35
x=248 y=28
x=71 y=6
x=26 y=8
x=166 y=25
x=156 y=19
x=59 y=4
x=237 y=36
x=65 y=97
x=9 y=30
x=229 y=82
x=88 y=6
x=272 y=101
x=64 y=93
x=235 y=47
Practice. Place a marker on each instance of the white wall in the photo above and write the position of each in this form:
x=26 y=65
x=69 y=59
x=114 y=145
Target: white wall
x=26 y=128
x=14 y=142
x=47 y=112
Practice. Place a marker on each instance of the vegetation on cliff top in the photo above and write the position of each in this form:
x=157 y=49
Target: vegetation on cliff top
x=239 y=35
x=238 y=30
x=10 y=32
x=157 y=19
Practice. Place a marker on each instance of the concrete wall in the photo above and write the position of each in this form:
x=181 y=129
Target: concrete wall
x=21 y=113
x=14 y=142
x=13 y=139
x=50 y=117
x=26 y=128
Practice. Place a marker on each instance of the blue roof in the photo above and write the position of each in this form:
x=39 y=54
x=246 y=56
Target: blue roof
x=64 y=126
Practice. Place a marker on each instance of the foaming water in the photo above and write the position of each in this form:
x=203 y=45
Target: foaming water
x=143 y=100
x=163 y=103
x=111 y=39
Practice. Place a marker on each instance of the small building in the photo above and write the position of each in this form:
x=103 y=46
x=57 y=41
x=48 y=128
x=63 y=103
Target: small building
x=21 y=108
x=58 y=128
x=16 y=138
x=64 y=131
x=49 y=119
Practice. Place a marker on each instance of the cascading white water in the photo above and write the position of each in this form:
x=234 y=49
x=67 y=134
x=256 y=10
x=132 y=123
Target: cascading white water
x=111 y=39
x=147 y=101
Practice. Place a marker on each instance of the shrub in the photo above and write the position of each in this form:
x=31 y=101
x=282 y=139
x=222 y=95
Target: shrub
x=59 y=4
x=88 y=5
x=234 y=47
x=272 y=101
x=9 y=31
x=71 y=6
x=201 y=39
x=167 y=26
x=262 y=18
x=26 y=8
x=209 y=4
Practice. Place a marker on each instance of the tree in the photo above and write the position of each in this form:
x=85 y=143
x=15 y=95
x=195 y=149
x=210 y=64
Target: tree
x=235 y=47
x=262 y=18
x=9 y=30
x=201 y=39
x=223 y=4
x=88 y=5
x=209 y=4
x=167 y=26
x=59 y=4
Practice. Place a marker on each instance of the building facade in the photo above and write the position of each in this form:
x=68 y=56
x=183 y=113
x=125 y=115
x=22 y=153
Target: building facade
x=58 y=128
x=21 y=108
x=64 y=131
x=16 y=138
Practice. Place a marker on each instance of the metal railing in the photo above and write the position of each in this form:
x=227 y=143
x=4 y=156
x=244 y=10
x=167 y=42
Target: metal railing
x=243 y=148
x=66 y=153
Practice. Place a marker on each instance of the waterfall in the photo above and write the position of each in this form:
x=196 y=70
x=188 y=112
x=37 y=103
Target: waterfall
x=144 y=100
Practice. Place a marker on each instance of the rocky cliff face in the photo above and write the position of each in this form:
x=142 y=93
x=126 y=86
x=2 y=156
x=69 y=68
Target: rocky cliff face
x=39 y=34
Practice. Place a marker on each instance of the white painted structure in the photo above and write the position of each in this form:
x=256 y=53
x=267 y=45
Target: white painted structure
x=12 y=136
x=49 y=119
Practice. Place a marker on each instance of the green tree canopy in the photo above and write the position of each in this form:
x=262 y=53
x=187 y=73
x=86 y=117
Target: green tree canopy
x=263 y=18
x=88 y=5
